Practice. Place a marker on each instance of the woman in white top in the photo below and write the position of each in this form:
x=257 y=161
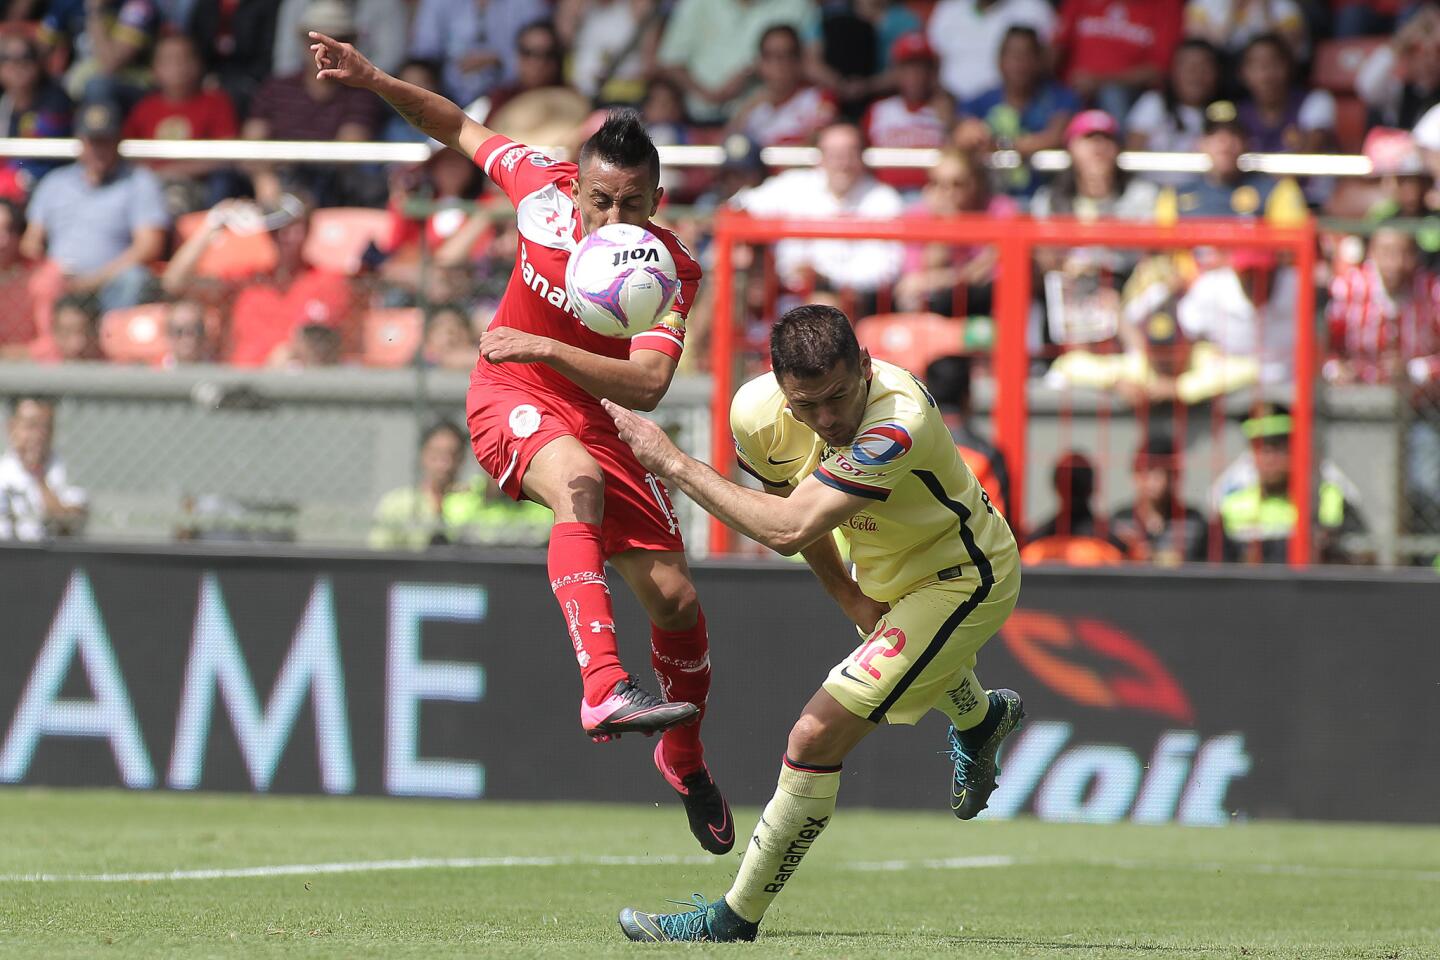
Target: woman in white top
x=1173 y=119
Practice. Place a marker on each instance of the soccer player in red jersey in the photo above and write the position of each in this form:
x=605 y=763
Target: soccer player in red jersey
x=537 y=426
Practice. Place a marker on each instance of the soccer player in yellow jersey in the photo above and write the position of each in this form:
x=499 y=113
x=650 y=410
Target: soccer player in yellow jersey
x=854 y=444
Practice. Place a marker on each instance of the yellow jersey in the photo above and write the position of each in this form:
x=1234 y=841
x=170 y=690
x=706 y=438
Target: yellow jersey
x=929 y=517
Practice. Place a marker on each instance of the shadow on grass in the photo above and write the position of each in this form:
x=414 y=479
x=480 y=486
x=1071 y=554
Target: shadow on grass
x=946 y=940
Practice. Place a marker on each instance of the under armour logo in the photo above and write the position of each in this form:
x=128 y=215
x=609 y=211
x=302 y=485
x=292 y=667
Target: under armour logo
x=597 y=625
x=554 y=215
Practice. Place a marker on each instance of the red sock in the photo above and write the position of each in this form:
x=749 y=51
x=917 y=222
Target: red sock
x=577 y=577
x=682 y=665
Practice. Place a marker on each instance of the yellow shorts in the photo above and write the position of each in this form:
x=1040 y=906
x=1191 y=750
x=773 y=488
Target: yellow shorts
x=918 y=649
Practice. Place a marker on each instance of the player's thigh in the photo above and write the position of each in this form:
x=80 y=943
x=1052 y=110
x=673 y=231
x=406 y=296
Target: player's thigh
x=565 y=477
x=662 y=582
x=638 y=511
x=531 y=447
x=826 y=732
x=927 y=637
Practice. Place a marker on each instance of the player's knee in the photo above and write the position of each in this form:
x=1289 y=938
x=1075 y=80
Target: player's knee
x=578 y=491
x=813 y=741
x=676 y=606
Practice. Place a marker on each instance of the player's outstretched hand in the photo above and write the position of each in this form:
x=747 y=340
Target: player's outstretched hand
x=652 y=447
x=340 y=61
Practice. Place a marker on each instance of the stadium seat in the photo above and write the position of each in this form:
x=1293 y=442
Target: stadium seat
x=230 y=254
x=1072 y=551
x=392 y=336
x=1337 y=62
x=911 y=340
x=339 y=237
x=134 y=334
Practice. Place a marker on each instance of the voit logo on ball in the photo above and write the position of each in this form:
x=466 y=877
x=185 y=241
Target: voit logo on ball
x=881 y=444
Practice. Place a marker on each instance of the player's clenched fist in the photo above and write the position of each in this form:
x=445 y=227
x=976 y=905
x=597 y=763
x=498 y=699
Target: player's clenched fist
x=336 y=60
x=653 y=448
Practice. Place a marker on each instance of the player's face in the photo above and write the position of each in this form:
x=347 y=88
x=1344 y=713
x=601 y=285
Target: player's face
x=832 y=404
x=606 y=194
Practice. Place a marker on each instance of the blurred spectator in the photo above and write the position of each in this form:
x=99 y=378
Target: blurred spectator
x=1258 y=518
x=235 y=42
x=743 y=169
x=1370 y=18
x=181 y=110
x=475 y=42
x=539 y=63
x=298 y=106
x=1400 y=81
x=612 y=43
x=450 y=182
x=312 y=345
x=663 y=113
x=37 y=499
x=100 y=221
x=1223 y=190
x=381 y=28
x=1280 y=116
x=1407 y=189
x=74 y=332
x=1158 y=527
x=967 y=34
x=1173 y=119
x=1027 y=112
x=839 y=186
x=441 y=511
x=1108 y=51
x=1383 y=314
x=920 y=114
x=949 y=381
x=268 y=311
x=946 y=278
x=17 y=316
x=847 y=48
x=708 y=48
x=33 y=105
x=450 y=342
x=1231 y=24
x=784 y=110
x=424 y=74
x=187 y=335
x=1074 y=481
x=110 y=40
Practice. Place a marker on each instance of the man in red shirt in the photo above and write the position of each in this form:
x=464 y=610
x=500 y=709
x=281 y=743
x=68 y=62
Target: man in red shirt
x=1110 y=50
x=537 y=427
x=919 y=115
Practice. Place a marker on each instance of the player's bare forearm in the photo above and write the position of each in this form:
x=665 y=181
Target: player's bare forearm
x=751 y=512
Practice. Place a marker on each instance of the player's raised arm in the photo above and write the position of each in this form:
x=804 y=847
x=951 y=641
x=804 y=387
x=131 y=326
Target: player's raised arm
x=430 y=113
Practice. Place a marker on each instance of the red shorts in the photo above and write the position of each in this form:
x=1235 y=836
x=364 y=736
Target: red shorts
x=509 y=425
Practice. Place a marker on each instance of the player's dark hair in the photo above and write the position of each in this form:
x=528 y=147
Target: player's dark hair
x=622 y=142
x=949 y=381
x=809 y=340
x=443 y=426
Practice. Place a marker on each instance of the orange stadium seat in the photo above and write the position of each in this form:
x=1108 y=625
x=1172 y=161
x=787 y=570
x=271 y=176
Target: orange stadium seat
x=911 y=340
x=1337 y=62
x=339 y=237
x=392 y=336
x=137 y=334
x=230 y=254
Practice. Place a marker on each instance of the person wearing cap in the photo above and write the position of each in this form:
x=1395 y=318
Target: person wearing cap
x=1258 y=519
x=101 y=221
x=1027 y=112
x=1224 y=190
x=919 y=114
x=296 y=106
x=1158 y=526
x=785 y=110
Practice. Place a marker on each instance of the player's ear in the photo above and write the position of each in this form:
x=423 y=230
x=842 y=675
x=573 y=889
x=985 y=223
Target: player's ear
x=655 y=201
x=864 y=363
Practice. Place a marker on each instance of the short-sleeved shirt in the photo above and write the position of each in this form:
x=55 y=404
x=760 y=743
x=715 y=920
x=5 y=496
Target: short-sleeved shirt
x=927 y=515
x=1006 y=122
x=536 y=300
x=1109 y=37
x=967 y=39
x=264 y=315
x=48 y=116
x=892 y=122
x=1200 y=196
x=87 y=226
x=1164 y=129
x=22 y=505
x=209 y=115
x=1306 y=111
x=286 y=105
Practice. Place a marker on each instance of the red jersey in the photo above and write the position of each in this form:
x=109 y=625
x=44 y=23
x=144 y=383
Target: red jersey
x=208 y=115
x=535 y=300
x=892 y=122
x=1107 y=37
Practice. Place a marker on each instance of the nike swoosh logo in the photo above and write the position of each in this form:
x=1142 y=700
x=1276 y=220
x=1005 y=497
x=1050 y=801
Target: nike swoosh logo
x=726 y=833
x=845 y=671
x=779 y=463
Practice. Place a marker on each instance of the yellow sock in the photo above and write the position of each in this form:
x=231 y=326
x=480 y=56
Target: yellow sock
x=803 y=804
x=964 y=701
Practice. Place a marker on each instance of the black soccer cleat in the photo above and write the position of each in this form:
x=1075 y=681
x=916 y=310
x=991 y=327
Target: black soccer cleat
x=975 y=767
x=713 y=922
x=705 y=805
x=631 y=709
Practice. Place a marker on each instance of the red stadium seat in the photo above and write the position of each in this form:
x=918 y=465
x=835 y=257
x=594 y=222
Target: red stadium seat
x=1337 y=62
x=339 y=237
x=134 y=334
x=911 y=340
x=230 y=254
x=392 y=336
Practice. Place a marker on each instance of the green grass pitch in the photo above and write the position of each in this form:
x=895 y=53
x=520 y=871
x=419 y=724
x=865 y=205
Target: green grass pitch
x=880 y=884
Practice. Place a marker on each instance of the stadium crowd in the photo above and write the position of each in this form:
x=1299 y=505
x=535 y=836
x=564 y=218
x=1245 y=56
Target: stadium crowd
x=298 y=266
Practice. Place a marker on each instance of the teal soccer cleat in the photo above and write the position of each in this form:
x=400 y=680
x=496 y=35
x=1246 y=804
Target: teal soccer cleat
x=713 y=922
x=975 y=767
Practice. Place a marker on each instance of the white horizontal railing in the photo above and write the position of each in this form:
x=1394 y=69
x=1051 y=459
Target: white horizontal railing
x=329 y=151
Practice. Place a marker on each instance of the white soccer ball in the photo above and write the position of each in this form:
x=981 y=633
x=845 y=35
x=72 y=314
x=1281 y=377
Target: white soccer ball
x=621 y=280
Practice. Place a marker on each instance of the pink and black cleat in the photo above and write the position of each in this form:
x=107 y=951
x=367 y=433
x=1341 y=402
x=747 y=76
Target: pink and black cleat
x=631 y=709
x=705 y=805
